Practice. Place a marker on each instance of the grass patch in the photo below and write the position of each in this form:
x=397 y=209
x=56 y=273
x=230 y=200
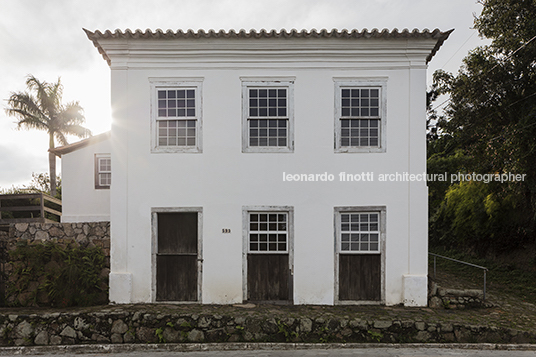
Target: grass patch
x=506 y=276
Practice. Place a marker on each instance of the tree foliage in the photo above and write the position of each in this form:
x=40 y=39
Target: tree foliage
x=489 y=126
x=40 y=183
x=41 y=108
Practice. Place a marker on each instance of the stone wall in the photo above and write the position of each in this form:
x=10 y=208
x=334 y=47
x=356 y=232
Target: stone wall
x=439 y=297
x=27 y=290
x=145 y=326
x=87 y=234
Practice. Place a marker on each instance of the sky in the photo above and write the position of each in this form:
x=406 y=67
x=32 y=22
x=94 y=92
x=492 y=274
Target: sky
x=45 y=39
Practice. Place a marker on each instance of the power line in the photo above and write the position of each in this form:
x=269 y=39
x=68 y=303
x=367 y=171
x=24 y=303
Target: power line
x=458 y=50
x=472 y=93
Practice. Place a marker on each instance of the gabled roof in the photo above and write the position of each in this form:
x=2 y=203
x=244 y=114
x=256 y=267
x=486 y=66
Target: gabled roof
x=80 y=144
x=345 y=34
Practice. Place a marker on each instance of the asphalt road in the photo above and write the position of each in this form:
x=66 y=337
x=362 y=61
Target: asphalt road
x=373 y=352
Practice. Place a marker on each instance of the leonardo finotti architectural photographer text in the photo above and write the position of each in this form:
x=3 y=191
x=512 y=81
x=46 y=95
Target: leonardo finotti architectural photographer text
x=402 y=177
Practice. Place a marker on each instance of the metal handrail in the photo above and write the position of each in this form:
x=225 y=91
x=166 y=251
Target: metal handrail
x=462 y=262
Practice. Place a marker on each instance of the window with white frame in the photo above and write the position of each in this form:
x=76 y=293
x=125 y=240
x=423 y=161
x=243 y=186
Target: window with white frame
x=177 y=117
x=267 y=116
x=359 y=232
x=360 y=120
x=268 y=231
x=103 y=171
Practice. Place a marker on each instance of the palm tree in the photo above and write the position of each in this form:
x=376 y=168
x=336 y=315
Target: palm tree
x=41 y=108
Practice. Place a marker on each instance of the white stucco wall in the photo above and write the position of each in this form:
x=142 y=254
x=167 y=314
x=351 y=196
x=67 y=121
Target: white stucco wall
x=81 y=202
x=222 y=179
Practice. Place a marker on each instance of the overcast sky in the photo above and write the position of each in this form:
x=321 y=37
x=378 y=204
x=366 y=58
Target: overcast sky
x=45 y=38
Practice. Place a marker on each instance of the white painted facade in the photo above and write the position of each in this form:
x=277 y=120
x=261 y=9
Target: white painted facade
x=221 y=180
x=81 y=200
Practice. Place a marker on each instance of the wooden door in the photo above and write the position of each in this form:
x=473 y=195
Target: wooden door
x=359 y=256
x=269 y=276
x=177 y=257
x=360 y=277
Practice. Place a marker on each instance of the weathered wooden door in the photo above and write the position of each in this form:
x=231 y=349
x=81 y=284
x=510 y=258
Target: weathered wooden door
x=269 y=275
x=177 y=256
x=359 y=256
x=359 y=277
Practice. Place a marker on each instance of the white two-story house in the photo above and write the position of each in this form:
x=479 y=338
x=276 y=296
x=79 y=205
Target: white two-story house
x=267 y=166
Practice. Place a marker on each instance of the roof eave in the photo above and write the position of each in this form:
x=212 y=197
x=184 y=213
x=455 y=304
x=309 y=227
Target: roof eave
x=59 y=151
x=190 y=34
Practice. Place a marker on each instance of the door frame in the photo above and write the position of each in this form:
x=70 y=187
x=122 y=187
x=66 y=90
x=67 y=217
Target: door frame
x=245 y=244
x=336 y=230
x=154 y=250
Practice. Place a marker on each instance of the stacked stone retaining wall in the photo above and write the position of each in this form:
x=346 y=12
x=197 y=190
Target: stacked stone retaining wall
x=83 y=235
x=87 y=234
x=144 y=326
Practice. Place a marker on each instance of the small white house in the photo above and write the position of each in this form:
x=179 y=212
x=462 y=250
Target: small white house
x=86 y=179
x=263 y=166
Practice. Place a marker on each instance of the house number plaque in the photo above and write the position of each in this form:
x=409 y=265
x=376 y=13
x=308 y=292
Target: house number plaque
x=226 y=230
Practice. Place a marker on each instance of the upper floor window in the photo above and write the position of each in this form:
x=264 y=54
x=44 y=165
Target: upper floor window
x=177 y=117
x=103 y=171
x=360 y=118
x=267 y=116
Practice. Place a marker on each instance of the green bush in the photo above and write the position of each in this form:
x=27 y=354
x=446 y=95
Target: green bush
x=59 y=275
x=479 y=217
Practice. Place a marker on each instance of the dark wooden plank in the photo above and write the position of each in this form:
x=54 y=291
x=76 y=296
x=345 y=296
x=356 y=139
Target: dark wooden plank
x=268 y=277
x=52 y=199
x=20 y=208
x=360 y=277
x=176 y=278
x=53 y=211
x=23 y=220
x=177 y=232
x=20 y=196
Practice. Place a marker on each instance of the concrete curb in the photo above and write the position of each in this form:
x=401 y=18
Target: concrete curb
x=246 y=346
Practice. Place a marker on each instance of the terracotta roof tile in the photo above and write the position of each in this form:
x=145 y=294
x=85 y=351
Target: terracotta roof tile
x=349 y=34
